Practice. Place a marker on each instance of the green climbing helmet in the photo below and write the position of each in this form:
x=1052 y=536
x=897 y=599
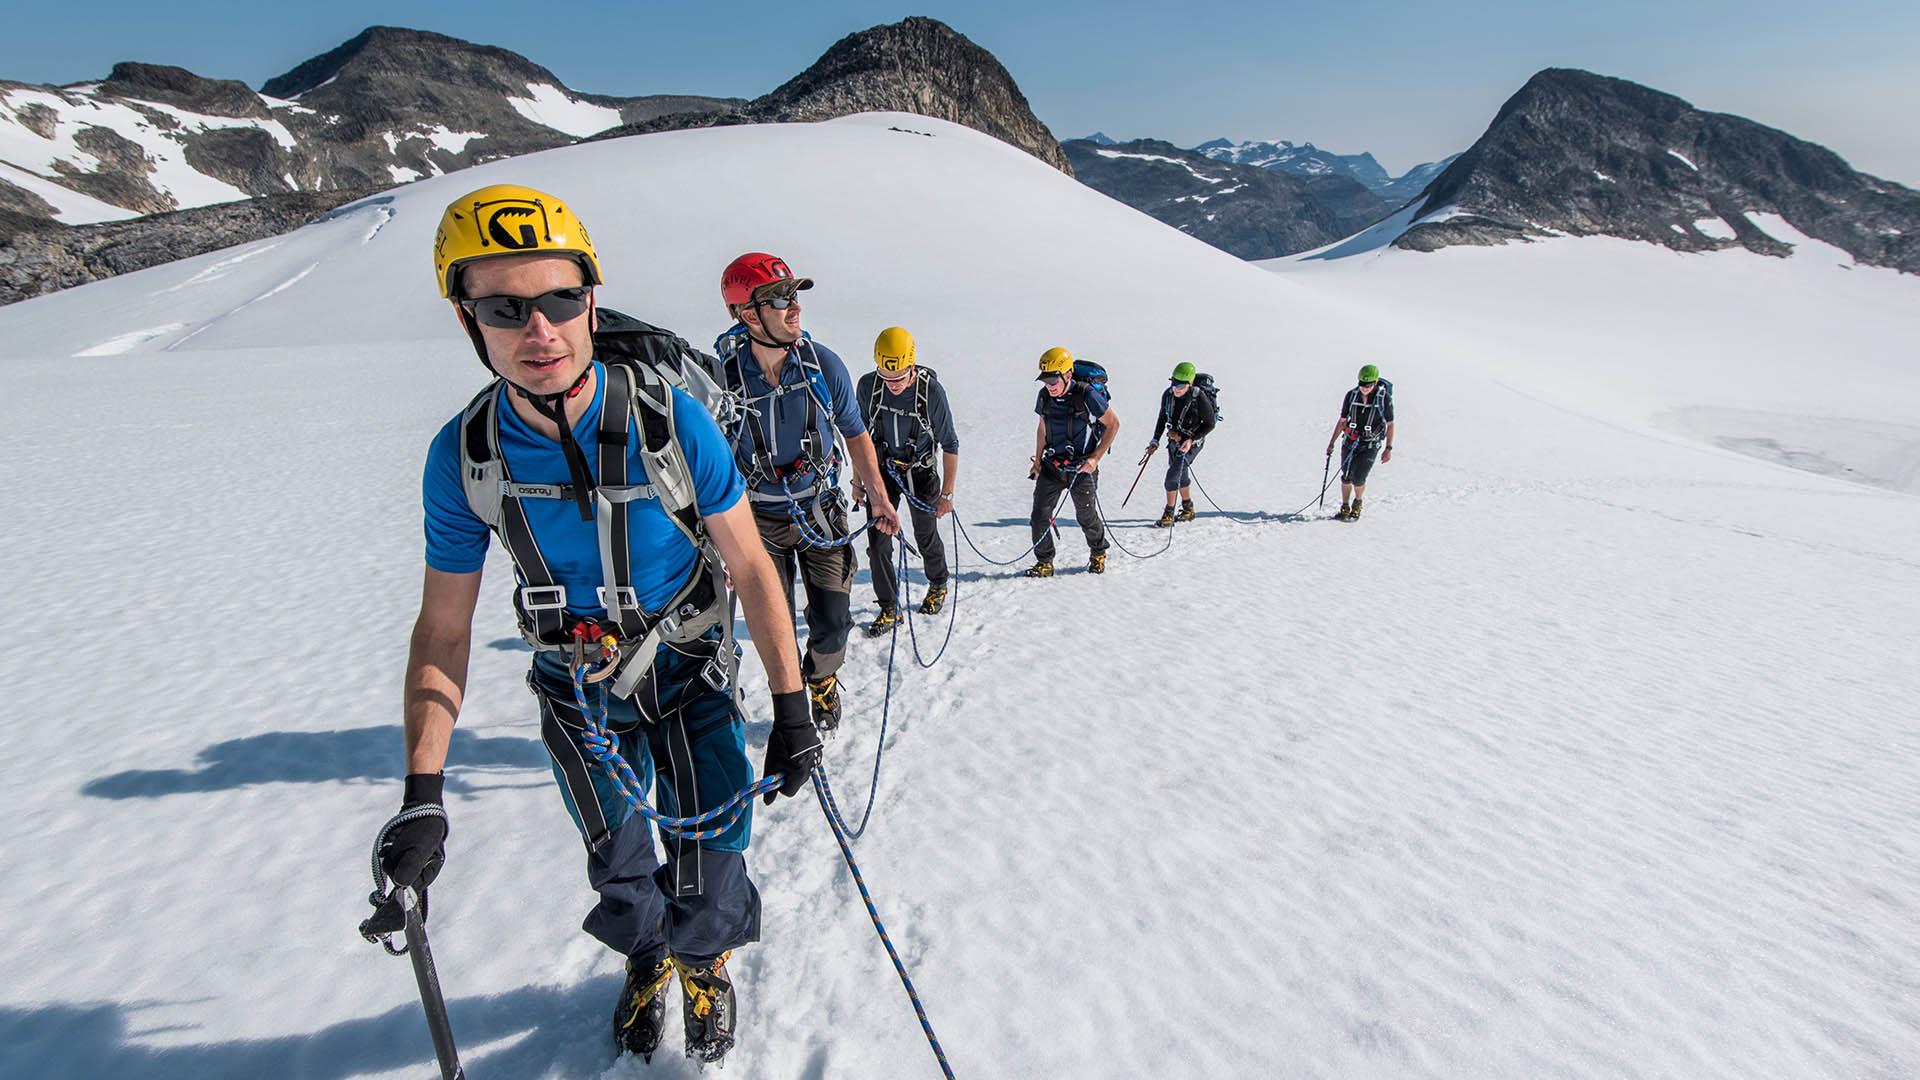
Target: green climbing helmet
x=1370 y=373
x=1183 y=372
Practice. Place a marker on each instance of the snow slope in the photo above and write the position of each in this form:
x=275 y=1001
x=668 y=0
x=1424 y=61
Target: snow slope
x=1589 y=752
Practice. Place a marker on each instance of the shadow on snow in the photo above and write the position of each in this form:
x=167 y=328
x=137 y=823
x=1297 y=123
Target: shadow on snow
x=312 y=757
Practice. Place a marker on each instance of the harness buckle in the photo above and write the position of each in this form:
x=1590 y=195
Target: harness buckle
x=543 y=597
x=714 y=673
x=628 y=600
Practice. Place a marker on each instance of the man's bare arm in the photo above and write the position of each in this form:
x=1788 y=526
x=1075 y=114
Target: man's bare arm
x=437 y=666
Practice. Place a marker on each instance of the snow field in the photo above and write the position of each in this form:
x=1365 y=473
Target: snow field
x=1585 y=753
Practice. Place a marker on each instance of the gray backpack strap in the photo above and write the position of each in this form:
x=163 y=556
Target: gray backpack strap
x=481 y=471
x=705 y=601
x=495 y=499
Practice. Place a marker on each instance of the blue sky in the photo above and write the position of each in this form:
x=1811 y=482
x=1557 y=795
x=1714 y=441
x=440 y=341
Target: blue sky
x=1408 y=81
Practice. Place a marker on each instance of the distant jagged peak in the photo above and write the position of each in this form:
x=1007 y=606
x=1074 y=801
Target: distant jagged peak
x=399 y=51
x=917 y=65
x=1581 y=154
x=181 y=88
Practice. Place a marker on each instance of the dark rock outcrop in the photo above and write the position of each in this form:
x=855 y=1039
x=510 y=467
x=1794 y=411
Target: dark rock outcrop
x=1583 y=154
x=38 y=256
x=917 y=65
x=182 y=89
x=1245 y=210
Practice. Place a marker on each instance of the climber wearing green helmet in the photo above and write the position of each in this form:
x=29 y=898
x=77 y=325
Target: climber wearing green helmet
x=1366 y=416
x=1187 y=414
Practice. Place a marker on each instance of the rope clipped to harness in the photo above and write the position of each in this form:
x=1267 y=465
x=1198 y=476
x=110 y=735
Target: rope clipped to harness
x=603 y=747
x=812 y=536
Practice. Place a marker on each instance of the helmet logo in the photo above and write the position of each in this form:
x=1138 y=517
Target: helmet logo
x=506 y=228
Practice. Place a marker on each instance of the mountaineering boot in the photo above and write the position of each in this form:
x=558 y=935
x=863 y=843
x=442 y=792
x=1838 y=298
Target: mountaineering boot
x=708 y=1007
x=1186 y=511
x=641 y=1012
x=935 y=599
x=826 y=703
x=1345 y=514
x=1355 y=516
x=1097 y=563
x=1043 y=568
x=886 y=621
x=1166 y=518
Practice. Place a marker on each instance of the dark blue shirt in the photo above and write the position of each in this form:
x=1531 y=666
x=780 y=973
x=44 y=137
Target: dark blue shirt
x=1073 y=427
x=782 y=415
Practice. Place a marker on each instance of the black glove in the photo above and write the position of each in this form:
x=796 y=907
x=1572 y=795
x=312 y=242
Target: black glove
x=793 y=747
x=415 y=850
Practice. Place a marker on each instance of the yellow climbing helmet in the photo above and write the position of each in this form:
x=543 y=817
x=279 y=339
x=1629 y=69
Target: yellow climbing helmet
x=507 y=219
x=1056 y=361
x=893 y=350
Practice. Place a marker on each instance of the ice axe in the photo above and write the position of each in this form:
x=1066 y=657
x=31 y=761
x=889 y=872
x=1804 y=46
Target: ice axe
x=1326 y=471
x=1144 y=458
x=404 y=909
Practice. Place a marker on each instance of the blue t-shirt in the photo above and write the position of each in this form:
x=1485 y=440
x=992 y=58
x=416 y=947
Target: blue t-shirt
x=783 y=417
x=1073 y=427
x=662 y=555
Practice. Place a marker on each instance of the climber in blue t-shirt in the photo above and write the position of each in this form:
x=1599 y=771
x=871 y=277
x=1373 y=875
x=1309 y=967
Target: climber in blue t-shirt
x=618 y=501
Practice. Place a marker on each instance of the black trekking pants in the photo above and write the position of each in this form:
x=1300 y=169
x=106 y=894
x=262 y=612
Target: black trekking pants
x=1046 y=490
x=827 y=575
x=924 y=483
x=1179 y=465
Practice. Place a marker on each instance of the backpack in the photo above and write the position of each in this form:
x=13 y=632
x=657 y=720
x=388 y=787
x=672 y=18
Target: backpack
x=1205 y=382
x=1089 y=372
x=625 y=340
x=644 y=365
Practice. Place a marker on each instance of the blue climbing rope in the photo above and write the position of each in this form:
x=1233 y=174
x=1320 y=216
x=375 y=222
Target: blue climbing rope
x=1113 y=533
x=814 y=537
x=604 y=748
x=906 y=590
x=823 y=791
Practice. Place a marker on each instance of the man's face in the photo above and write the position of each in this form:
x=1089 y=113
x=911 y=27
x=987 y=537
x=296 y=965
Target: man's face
x=776 y=325
x=1366 y=388
x=542 y=357
x=1180 y=389
x=1057 y=386
x=897 y=380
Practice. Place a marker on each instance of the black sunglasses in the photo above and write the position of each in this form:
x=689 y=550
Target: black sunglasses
x=777 y=303
x=512 y=312
x=1372 y=383
x=1050 y=379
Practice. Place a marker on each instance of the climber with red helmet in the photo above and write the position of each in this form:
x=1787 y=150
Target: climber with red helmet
x=798 y=421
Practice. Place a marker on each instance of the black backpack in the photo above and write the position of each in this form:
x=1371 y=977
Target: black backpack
x=1205 y=382
x=625 y=340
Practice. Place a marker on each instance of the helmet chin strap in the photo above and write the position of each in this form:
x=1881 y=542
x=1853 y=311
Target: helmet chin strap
x=554 y=408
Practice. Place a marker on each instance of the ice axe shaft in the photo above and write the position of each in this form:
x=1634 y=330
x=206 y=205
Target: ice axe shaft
x=1144 y=458
x=430 y=997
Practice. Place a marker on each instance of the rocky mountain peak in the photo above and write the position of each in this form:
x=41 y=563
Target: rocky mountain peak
x=393 y=52
x=1577 y=153
x=182 y=89
x=918 y=65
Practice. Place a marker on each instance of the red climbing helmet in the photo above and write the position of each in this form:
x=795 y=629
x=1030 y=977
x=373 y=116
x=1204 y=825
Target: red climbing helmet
x=752 y=270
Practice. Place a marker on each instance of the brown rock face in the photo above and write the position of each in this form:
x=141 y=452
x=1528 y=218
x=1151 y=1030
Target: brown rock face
x=917 y=65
